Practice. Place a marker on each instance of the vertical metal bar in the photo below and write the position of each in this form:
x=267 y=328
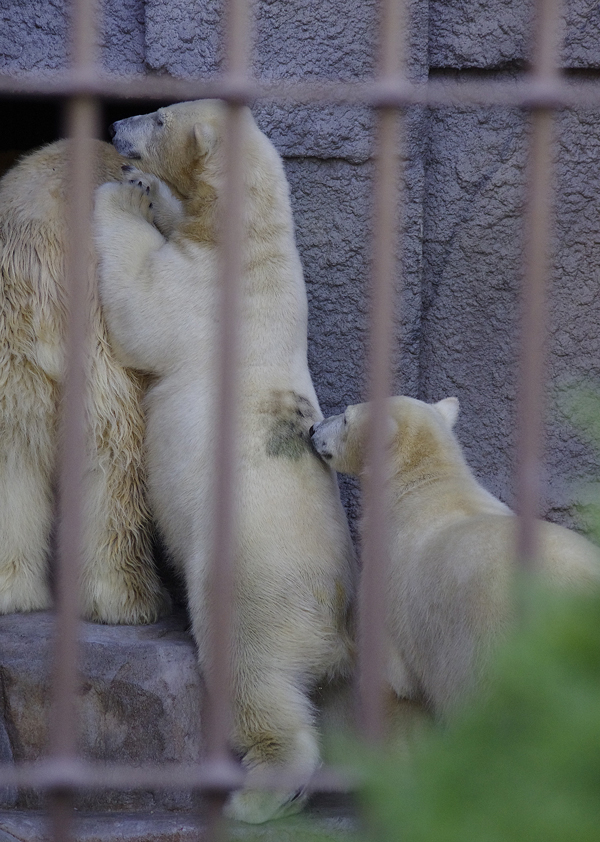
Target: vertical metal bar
x=82 y=124
x=375 y=544
x=537 y=265
x=223 y=561
x=224 y=549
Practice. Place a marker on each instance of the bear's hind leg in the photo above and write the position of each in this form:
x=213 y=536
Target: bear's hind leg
x=276 y=734
x=25 y=522
x=120 y=583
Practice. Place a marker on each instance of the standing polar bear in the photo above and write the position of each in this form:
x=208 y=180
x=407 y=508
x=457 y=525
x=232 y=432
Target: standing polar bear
x=119 y=583
x=293 y=553
x=452 y=547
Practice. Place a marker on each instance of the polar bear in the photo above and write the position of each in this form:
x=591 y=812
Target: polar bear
x=452 y=548
x=293 y=553
x=119 y=582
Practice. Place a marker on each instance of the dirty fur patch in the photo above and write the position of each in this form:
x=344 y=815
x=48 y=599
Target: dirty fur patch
x=292 y=416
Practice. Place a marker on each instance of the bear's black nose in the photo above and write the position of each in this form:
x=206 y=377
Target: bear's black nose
x=312 y=429
x=112 y=131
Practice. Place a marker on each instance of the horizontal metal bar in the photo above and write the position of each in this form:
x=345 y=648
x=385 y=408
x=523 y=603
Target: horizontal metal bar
x=435 y=93
x=209 y=775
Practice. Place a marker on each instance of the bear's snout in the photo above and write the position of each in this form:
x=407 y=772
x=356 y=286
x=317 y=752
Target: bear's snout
x=317 y=442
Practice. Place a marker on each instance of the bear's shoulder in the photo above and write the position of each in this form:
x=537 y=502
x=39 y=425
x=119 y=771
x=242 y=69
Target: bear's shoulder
x=37 y=184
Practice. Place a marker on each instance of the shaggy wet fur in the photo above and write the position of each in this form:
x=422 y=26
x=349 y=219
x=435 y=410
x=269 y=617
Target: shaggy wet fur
x=118 y=582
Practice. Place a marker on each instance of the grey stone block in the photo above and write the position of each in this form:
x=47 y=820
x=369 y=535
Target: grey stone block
x=8 y=794
x=123 y=35
x=33 y=35
x=581 y=45
x=474 y=236
x=139 y=702
x=472 y=246
x=477 y=33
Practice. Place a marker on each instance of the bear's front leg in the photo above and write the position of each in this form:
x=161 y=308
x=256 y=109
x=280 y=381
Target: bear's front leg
x=127 y=243
x=166 y=208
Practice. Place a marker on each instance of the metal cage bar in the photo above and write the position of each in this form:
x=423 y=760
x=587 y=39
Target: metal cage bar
x=218 y=677
x=375 y=559
x=537 y=264
x=82 y=118
x=543 y=92
x=533 y=92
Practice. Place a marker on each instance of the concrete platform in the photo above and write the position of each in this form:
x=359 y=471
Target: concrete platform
x=140 y=702
x=326 y=819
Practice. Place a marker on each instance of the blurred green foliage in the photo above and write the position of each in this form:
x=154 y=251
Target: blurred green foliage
x=523 y=763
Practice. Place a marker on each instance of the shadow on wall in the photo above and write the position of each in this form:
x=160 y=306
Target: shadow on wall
x=29 y=123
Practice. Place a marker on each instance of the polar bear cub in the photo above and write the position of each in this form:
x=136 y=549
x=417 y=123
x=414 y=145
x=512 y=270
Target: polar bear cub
x=452 y=548
x=119 y=583
x=292 y=546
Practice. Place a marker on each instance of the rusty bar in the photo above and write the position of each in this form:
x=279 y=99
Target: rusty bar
x=206 y=776
x=224 y=549
x=528 y=93
x=375 y=544
x=82 y=123
x=537 y=266
x=219 y=715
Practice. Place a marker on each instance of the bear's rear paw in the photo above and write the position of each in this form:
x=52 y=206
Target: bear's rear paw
x=257 y=806
x=23 y=591
x=124 y=603
x=298 y=760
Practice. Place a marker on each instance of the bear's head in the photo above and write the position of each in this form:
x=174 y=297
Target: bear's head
x=182 y=144
x=416 y=434
x=174 y=143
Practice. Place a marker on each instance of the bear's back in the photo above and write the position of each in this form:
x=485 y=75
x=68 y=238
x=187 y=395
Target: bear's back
x=36 y=187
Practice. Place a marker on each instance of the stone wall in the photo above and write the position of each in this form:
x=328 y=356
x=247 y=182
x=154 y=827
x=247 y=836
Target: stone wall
x=462 y=205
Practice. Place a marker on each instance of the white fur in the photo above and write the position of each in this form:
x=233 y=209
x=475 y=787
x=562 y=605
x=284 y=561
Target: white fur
x=119 y=583
x=452 y=549
x=293 y=551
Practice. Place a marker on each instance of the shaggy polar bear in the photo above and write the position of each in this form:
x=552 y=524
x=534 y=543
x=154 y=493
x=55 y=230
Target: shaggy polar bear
x=452 y=548
x=292 y=545
x=119 y=582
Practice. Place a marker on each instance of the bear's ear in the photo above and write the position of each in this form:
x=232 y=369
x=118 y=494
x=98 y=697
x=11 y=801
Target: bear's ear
x=205 y=136
x=449 y=409
x=349 y=414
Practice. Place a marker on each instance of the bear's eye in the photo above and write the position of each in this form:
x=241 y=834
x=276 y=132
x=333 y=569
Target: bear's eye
x=345 y=421
x=160 y=121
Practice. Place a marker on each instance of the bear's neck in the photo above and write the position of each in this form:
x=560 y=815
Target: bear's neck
x=268 y=222
x=200 y=221
x=428 y=469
